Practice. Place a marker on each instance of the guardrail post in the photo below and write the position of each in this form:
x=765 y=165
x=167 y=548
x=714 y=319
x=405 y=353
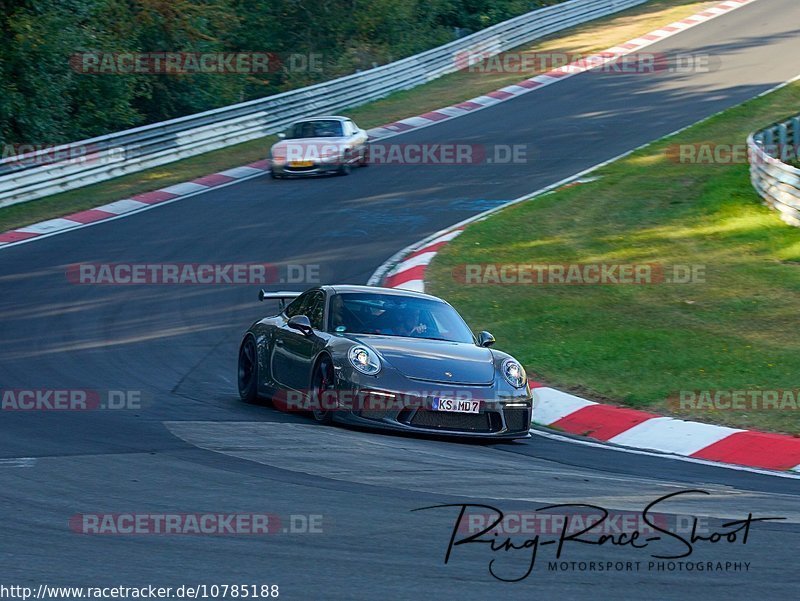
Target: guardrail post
x=795 y=135
x=783 y=142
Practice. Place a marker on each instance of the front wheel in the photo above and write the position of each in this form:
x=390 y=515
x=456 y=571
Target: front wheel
x=248 y=371
x=344 y=167
x=321 y=383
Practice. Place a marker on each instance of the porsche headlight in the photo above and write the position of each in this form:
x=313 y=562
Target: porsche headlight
x=364 y=360
x=514 y=373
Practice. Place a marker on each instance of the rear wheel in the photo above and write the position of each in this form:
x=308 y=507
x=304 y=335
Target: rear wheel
x=248 y=371
x=321 y=384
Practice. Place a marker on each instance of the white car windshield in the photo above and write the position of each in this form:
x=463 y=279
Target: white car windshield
x=393 y=315
x=315 y=129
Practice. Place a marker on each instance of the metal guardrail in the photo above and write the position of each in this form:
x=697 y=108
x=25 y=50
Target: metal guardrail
x=38 y=174
x=778 y=183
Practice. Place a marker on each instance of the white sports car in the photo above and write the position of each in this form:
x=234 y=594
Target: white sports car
x=319 y=145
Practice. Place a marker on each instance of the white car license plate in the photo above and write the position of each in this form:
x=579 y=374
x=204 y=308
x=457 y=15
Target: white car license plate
x=455 y=406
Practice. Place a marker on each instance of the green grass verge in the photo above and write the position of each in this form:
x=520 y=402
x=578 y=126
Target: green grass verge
x=640 y=345
x=592 y=37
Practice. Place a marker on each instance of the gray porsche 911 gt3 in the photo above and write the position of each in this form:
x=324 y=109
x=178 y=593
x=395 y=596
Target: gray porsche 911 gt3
x=384 y=358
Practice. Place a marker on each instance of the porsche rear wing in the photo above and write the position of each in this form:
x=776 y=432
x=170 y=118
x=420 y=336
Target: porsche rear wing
x=281 y=296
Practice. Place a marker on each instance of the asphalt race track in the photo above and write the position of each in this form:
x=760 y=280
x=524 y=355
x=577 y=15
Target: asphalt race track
x=194 y=447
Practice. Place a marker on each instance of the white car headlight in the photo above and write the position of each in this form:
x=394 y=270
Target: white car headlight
x=514 y=373
x=364 y=360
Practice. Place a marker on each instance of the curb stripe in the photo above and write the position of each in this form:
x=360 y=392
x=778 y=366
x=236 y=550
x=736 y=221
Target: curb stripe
x=551 y=405
x=432 y=248
x=51 y=225
x=90 y=216
x=757 y=449
x=262 y=165
x=215 y=179
x=397 y=126
x=672 y=435
x=15 y=236
x=154 y=197
x=122 y=206
x=602 y=422
x=530 y=84
x=420 y=260
x=435 y=116
x=240 y=172
x=414 y=285
x=468 y=105
x=407 y=275
x=183 y=188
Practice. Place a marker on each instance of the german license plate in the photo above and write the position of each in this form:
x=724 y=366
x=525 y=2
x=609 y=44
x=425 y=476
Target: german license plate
x=455 y=406
x=301 y=164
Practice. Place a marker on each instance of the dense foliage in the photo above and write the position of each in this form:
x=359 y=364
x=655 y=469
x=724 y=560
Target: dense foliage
x=45 y=99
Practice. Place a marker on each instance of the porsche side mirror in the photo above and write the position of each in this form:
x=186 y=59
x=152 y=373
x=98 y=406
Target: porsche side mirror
x=301 y=324
x=485 y=339
x=281 y=135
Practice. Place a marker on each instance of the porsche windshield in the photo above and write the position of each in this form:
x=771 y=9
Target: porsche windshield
x=392 y=315
x=323 y=128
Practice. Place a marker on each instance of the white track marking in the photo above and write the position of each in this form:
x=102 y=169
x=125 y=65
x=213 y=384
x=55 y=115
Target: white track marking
x=126 y=205
x=45 y=227
x=18 y=462
x=550 y=405
x=672 y=435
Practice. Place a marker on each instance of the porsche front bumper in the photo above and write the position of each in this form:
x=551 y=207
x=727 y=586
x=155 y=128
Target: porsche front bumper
x=315 y=168
x=498 y=418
